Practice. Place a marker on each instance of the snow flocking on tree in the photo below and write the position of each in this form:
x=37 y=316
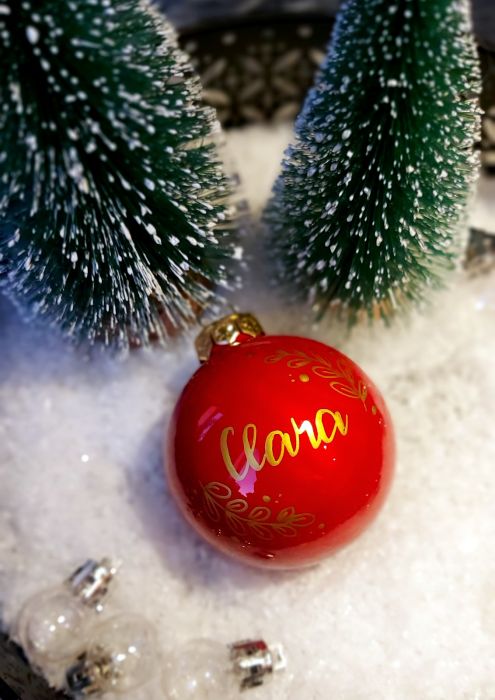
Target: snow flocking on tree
x=367 y=208
x=114 y=210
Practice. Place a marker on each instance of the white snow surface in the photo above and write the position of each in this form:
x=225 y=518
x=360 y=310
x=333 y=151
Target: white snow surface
x=406 y=612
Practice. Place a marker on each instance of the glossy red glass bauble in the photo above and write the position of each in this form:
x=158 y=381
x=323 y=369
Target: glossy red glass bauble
x=281 y=450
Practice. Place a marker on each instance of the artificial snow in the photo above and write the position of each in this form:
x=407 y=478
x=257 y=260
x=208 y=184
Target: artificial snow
x=407 y=612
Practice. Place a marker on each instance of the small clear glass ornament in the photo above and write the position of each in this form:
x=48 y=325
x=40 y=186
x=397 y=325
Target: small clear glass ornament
x=205 y=669
x=52 y=624
x=120 y=657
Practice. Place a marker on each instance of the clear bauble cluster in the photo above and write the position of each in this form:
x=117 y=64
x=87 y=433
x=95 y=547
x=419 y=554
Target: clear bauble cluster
x=60 y=630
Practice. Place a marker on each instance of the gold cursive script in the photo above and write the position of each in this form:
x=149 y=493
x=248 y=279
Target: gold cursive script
x=278 y=442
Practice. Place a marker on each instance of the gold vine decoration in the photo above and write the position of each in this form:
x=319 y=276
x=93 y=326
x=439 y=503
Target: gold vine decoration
x=341 y=376
x=257 y=521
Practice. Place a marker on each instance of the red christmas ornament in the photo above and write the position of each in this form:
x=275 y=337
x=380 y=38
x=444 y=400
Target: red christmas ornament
x=281 y=449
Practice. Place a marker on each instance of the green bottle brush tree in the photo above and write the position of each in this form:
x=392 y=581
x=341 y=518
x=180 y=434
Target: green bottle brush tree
x=114 y=213
x=366 y=212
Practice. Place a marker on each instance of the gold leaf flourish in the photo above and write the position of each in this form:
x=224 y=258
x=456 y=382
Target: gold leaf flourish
x=235 y=512
x=341 y=376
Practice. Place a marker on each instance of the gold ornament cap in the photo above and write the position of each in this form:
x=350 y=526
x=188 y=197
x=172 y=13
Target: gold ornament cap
x=226 y=331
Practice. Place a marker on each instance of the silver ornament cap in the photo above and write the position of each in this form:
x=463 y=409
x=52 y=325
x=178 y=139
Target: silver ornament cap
x=90 y=582
x=254 y=662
